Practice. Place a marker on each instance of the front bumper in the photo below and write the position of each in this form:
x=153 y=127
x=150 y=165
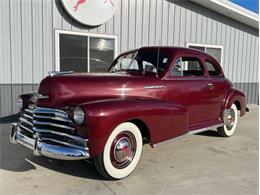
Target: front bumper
x=40 y=147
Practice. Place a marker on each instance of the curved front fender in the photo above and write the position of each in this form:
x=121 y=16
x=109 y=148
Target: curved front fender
x=163 y=119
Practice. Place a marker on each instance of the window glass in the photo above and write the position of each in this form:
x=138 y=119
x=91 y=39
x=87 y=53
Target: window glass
x=101 y=54
x=73 y=53
x=141 y=61
x=215 y=53
x=198 y=48
x=187 y=67
x=212 y=69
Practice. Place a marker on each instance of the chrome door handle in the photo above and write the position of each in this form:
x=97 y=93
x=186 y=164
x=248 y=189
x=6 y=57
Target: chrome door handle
x=210 y=85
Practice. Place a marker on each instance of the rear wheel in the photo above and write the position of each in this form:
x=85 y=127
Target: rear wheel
x=121 y=153
x=230 y=124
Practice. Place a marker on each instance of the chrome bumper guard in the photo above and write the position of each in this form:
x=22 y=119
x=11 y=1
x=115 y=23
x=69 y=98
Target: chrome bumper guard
x=40 y=147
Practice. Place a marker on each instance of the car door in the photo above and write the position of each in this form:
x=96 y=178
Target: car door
x=218 y=88
x=189 y=85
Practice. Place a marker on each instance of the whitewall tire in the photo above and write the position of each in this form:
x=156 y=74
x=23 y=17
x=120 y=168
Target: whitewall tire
x=121 y=153
x=230 y=127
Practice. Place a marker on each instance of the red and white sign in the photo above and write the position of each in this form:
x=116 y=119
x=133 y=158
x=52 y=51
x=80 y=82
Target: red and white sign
x=91 y=12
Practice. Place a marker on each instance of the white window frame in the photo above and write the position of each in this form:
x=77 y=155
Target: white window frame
x=209 y=46
x=88 y=35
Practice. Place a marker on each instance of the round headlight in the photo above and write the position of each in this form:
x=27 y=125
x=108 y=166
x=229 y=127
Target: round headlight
x=19 y=103
x=78 y=116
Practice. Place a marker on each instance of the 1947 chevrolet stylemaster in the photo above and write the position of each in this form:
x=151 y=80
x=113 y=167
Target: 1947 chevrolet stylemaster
x=150 y=95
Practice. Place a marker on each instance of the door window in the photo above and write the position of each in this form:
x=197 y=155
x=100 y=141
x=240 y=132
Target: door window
x=187 y=67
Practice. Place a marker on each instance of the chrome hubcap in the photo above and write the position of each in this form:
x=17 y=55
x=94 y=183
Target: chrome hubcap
x=231 y=119
x=123 y=150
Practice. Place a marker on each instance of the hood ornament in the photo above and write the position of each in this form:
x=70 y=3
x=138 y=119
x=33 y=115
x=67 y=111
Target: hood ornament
x=55 y=73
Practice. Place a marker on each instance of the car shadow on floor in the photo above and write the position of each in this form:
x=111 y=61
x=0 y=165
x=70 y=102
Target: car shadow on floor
x=209 y=133
x=27 y=162
x=9 y=119
x=16 y=158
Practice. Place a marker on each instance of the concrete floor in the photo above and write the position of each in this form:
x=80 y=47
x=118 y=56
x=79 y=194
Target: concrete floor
x=198 y=164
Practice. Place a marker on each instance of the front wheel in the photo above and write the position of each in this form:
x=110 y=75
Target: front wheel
x=231 y=123
x=121 y=153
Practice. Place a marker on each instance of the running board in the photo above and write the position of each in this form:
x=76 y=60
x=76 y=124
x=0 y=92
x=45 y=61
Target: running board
x=187 y=134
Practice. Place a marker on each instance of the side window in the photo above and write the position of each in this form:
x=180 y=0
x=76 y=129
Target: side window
x=187 y=67
x=212 y=69
x=149 y=67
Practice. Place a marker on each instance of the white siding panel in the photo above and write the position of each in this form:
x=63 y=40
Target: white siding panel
x=47 y=38
x=152 y=21
x=138 y=25
x=16 y=44
x=182 y=28
x=199 y=27
x=131 y=24
x=165 y=23
x=235 y=57
x=26 y=30
x=158 y=23
x=188 y=30
x=6 y=62
x=145 y=25
x=37 y=36
x=177 y=25
x=171 y=25
x=124 y=25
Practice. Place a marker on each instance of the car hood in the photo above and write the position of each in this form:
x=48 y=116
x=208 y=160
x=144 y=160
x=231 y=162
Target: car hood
x=74 y=89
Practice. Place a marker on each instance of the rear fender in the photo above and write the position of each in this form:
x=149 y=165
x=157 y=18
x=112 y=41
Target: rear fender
x=103 y=116
x=237 y=97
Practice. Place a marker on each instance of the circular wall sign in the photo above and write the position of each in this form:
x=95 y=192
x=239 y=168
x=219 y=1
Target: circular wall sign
x=91 y=12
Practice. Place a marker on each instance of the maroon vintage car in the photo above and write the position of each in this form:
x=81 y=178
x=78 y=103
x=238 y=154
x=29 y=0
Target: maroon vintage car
x=149 y=95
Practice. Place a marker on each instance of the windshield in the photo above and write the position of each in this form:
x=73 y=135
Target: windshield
x=141 y=61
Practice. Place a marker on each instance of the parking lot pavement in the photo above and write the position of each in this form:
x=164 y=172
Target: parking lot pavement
x=198 y=164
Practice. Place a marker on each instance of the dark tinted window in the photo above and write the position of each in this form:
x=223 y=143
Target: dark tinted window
x=73 y=53
x=212 y=69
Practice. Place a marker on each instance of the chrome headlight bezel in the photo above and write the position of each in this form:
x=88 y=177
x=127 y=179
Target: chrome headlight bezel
x=78 y=116
x=20 y=103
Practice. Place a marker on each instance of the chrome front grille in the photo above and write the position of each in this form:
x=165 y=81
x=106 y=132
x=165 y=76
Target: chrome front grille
x=51 y=125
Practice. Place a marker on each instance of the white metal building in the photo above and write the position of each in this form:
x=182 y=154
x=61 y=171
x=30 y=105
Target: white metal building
x=38 y=36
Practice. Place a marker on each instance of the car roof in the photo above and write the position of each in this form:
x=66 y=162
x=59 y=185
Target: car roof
x=175 y=51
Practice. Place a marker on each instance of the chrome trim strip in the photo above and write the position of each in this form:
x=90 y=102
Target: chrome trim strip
x=24 y=140
x=52 y=118
x=40 y=110
x=54 y=73
x=40 y=96
x=28 y=110
x=26 y=128
x=27 y=116
x=205 y=129
x=187 y=134
x=36 y=122
x=154 y=86
x=25 y=121
x=63 y=143
x=60 y=133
